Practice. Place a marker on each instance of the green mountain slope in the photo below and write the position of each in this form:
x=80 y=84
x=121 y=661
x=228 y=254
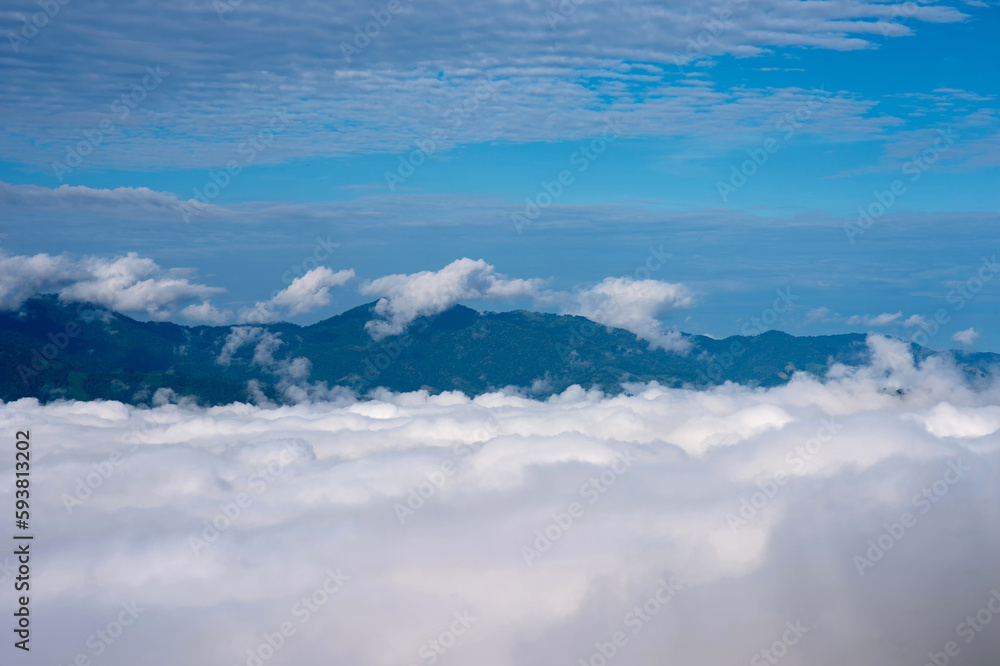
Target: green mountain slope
x=50 y=350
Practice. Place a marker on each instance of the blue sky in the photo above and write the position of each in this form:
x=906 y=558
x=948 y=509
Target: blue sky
x=842 y=97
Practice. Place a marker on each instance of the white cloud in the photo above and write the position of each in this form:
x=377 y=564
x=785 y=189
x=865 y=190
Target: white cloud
x=266 y=344
x=133 y=284
x=22 y=277
x=261 y=313
x=121 y=202
x=305 y=293
x=633 y=305
x=966 y=338
x=884 y=319
x=206 y=313
x=292 y=374
x=915 y=320
x=418 y=66
x=127 y=283
x=636 y=306
x=407 y=297
x=821 y=314
x=485 y=477
x=311 y=290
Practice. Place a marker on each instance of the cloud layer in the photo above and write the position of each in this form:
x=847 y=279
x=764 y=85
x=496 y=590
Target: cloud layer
x=500 y=530
x=127 y=283
x=393 y=86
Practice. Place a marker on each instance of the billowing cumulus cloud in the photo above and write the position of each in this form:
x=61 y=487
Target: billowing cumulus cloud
x=206 y=313
x=406 y=297
x=831 y=521
x=133 y=284
x=305 y=293
x=312 y=290
x=22 y=277
x=636 y=306
x=966 y=338
x=127 y=283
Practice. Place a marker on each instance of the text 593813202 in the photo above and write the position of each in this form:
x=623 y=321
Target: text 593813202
x=22 y=540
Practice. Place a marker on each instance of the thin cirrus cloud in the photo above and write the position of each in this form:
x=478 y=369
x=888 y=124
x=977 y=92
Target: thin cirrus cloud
x=633 y=61
x=130 y=203
x=431 y=506
x=519 y=111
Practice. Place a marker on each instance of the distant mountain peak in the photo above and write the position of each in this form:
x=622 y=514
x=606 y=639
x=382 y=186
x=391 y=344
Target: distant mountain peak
x=112 y=356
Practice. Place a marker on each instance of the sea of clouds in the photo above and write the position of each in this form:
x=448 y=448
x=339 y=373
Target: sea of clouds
x=853 y=519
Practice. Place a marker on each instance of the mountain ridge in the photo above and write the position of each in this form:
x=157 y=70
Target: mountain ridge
x=51 y=350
